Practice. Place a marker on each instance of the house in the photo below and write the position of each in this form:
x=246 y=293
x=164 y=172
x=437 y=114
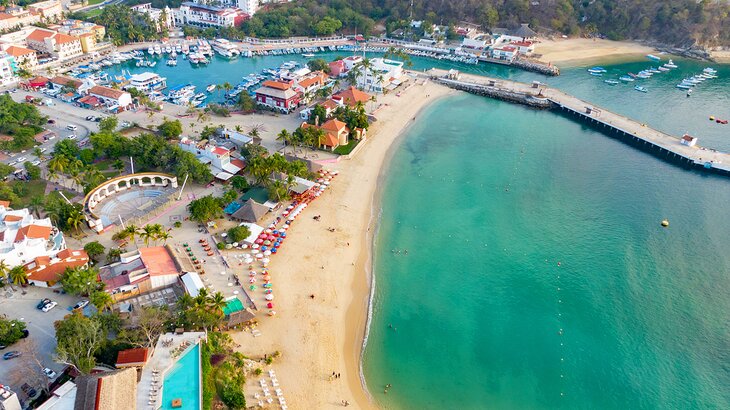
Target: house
x=8 y=399
x=278 y=95
x=140 y=271
x=59 y=45
x=192 y=283
x=251 y=211
x=78 y=28
x=351 y=62
x=507 y=53
x=163 y=18
x=8 y=67
x=107 y=390
x=45 y=271
x=309 y=84
x=335 y=131
x=115 y=100
x=524 y=47
x=383 y=74
x=60 y=81
x=337 y=68
x=223 y=166
x=239 y=138
x=50 y=10
x=23 y=238
x=688 y=140
x=89 y=102
x=521 y=33
x=203 y=15
x=12 y=17
x=136 y=357
x=351 y=97
x=24 y=57
x=236 y=314
x=62 y=398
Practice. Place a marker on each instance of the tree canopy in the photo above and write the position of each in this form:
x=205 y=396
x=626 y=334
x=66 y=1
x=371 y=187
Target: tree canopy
x=10 y=331
x=79 y=338
x=21 y=121
x=205 y=209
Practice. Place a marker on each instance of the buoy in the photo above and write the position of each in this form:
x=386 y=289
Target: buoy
x=665 y=223
x=712 y=118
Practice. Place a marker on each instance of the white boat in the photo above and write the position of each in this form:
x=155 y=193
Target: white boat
x=168 y=49
x=684 y=86
x=662 y=68
x=670 y=64
x=641 y=89
x=171 y=62
x=610 y=82
x=225 y=48
x=308 y=55
x=653 y=57
x=211 y=88
x=178 y=48
x=709 y=70
x=152 y=64
x=151 y=50
x=158 y=50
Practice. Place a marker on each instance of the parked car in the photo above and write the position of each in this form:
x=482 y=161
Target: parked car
x=89 y=118
x=51 y=121
x=11 y=355
x=81 y=304
x=36 y=162
x=98 y=119
x=49 y=306
x=22 y=159
x=42 y=303
x=72 y=137
x=50 y=373
x=71 y=127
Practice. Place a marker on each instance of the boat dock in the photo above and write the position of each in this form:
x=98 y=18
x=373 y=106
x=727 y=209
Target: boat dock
x=538 y=95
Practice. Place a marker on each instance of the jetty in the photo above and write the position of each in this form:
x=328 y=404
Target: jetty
x=679 y=150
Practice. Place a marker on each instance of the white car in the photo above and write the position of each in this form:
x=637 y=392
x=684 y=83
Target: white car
x=36 y=162
x=48 y=372
x=22 y=159
x=82 y=304
x=49 y=306
x=12 y=163
x=72 y=137
x=71 y=127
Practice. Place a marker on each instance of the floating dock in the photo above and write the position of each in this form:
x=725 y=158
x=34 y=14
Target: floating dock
x=537 y=95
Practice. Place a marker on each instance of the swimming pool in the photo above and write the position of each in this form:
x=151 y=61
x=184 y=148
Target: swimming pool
x=183 y=382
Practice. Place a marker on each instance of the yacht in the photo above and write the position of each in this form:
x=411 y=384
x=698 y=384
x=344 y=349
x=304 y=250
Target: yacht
x=653 y=57
x=158 y=50
x=640 y=89
x=171 y=62
x=308 y=55
x=670 y=64
x=178 y=48
x=610 y=82
x=225 y=48
x=210 y=88
x=168 y=49
x=626 y=78
x=151 y=50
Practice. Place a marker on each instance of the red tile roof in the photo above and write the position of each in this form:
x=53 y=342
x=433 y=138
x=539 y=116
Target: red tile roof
x=12 y=218
x=5 y=203
x=137 y=355
x=39 y=35
x=106 y=92
x=277 y=85
x=16 y=51
x=334 y=125
x=42 y=270
x=63 y=80
x=64 y=38
x=352 y=96
x=158 y=261
x=329 y=140
x=33 y=232
x=220 y=151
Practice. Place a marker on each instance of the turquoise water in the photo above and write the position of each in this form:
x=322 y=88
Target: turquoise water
x=183 y=381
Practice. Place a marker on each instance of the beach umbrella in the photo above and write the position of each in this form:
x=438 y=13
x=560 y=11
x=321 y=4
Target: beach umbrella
x=252 y=287
x=267 y=253
x=268 y=285
x=273 y=250
x=269 y=297
x=270 y=305
x=235 y=244
x=268 y=231
x=271 y=313
x=252 y=280
x=267 y=242
x=256 y=245
x=264 y=248
x=259 y=256
x=229 y=246
x=265 y=260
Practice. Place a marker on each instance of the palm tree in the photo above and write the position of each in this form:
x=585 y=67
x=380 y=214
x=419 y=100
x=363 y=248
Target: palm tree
x=75 y=219
x=4 y=268
x=185 y=302
x=217 y=302
x=147 y=233
x=18 y=275
x=58 y=164
x=113 y=254
x=38 y=153
x=163 y=236
x=131 y=232
x=101 y=300
x=35 y=205
x=285 y=137
x=202 y=299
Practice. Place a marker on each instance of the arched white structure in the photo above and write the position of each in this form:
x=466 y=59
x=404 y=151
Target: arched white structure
x=120 y=184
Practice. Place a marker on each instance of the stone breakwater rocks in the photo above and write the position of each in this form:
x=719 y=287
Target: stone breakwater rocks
x=536 y=67
x=496 y=93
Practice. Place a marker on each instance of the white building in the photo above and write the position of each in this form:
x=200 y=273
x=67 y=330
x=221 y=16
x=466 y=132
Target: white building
x=219 y=158
x=24 y=57
x=163 y=18
x=203 y=15
x=59 y=45
x=14 y=16
x=114 y=100
x=8 y=67
x=351 y=61
x=507 y=53
x=384 y=74
x=50 y=10
x=8 y=399
x=24 y=238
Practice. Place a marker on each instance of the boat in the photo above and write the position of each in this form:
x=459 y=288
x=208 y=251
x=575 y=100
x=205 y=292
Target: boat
x=663 y=69
x=610 y=82
x=152 y=64
x=670 y=64
x=597 y=74
x=596 y=70
x=653 y=70
x=626 y=78
x=709 y=70
x=641 y=89
x=684 y=86
x=151 y=51
x=689 y=92
x=168 y=49
x=158 y=50
x=225 y=48
x=653 y=57
x=178 y=49
x=171 y=62
x=308 y=55
x=211 y=88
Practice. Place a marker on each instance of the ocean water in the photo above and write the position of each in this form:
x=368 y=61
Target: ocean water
x=537 y=274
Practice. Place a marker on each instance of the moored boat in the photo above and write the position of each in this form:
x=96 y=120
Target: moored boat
x=670 y=64
x=641 y=89
x=626 y=78
x=210 y=88
x=653 y=57
x=610 y=82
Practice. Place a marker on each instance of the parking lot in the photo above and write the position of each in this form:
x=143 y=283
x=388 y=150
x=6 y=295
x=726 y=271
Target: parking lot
x=40 y=345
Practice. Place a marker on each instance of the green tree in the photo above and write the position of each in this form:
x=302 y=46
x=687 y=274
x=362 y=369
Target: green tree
x=18 y=275
x=238 y=233
x=10 y=331
x=170 y=129
x=245 y=103
x=81 y=281
x=34 y=171
x=101 y=300
x=239 y=183
x=94 y=249
x=108 y=124
x=318 y=115
x=205 y=209
x=318 y=64
x=229 y=196
x=78 y=339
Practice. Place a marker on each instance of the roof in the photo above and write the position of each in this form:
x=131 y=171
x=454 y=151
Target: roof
x=134 y=356
x=158 y=261
x=90 y=100
x=39 y=34
x=311 y=165
x=12 y=218
x=192 y=283
x=5 y=203
x=233 y=305
x=106 y=92
x=506 y=48
x=302 y=185
x=64 y=38
x=276 y=85
x=334 y=125
x=329 y=104
x=33 y=232
x=351 y=96
x=107 y=390
x=329 y=140
x=251 y=211
x=521 y=43
x=63 y=80
x=318 y=78
x=43 y=269
x=523 y=31
x=38 y=81
x=16 y=51
x=220 y=151
x=276 y=92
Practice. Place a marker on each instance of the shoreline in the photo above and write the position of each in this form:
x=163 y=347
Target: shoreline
x=319 y=335
x=573 y=52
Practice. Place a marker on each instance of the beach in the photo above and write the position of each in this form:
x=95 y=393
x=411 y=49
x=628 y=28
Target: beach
x=323 y=334
x=574 y=51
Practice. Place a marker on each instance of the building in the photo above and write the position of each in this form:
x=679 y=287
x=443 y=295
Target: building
x=351 y=97
x=192 y=283
x=382 y=75
x=688 y=140
x=337 y=68
x=78 y=28
x=46 y=272
x=147 y=82
x=23 y=238
x=58 y=45
x=140 y=271
x=24 y=57
x=336 y=133
x=136 y=357
x=222 y=165
x=238 y=138
x=107 y=390
x=252 y=212
x=508 y=53
x=278 y=95
x=163 y=18
x=524 y=47
x=310 y=83
x=63 y=398
x=521 y=33
x=113 y=99
x=236 y=313
x=8 y=399
x=203 y=15
x=50 y=10
x=8 y=68
x=13 y=17
x=351 y=62
x=60 y=81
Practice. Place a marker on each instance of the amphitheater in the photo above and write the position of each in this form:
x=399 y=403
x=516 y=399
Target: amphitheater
x=130 y=197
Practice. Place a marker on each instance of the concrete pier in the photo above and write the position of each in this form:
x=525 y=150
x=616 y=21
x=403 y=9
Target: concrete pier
x=640 y=135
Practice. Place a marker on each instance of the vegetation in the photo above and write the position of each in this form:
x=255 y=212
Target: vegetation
x=21 y=122
x=126 y=26
x=245 y=103
x=223 y=373
x=149 y=232
x=79 y=338
x=318 y=64
x=206 y=208
x=94 y=250
x=203 y=312
x=238 y=233
x=81 y=281
x=10 y=331
x=153 y=321
x=239 y=183
x=346 y=149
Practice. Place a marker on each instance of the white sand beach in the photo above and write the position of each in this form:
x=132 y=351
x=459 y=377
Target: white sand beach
x=321 y=335
x=573 y=51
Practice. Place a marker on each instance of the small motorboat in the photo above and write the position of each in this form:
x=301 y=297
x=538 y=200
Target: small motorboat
x=653 y=57
x=610 y=82
x=641 y=89
x=670 y=64
x=684 y=86
x=210 y=88
x=597 y=74
x=719 y=121
x=689 y=92
x=308 y=55
x=596 y=70
x=663 y=69
x=626 y=78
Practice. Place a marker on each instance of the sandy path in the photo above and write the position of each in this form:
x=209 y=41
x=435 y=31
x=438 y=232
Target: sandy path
x=323 y=335
x=573 y=51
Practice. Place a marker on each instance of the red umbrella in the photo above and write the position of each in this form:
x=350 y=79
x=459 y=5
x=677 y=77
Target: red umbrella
x=259 y=241
x=270 y=305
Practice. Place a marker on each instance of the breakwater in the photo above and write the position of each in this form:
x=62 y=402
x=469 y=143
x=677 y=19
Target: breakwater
x=683 y=151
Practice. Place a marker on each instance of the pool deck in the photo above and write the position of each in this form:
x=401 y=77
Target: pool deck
x=163 y=361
